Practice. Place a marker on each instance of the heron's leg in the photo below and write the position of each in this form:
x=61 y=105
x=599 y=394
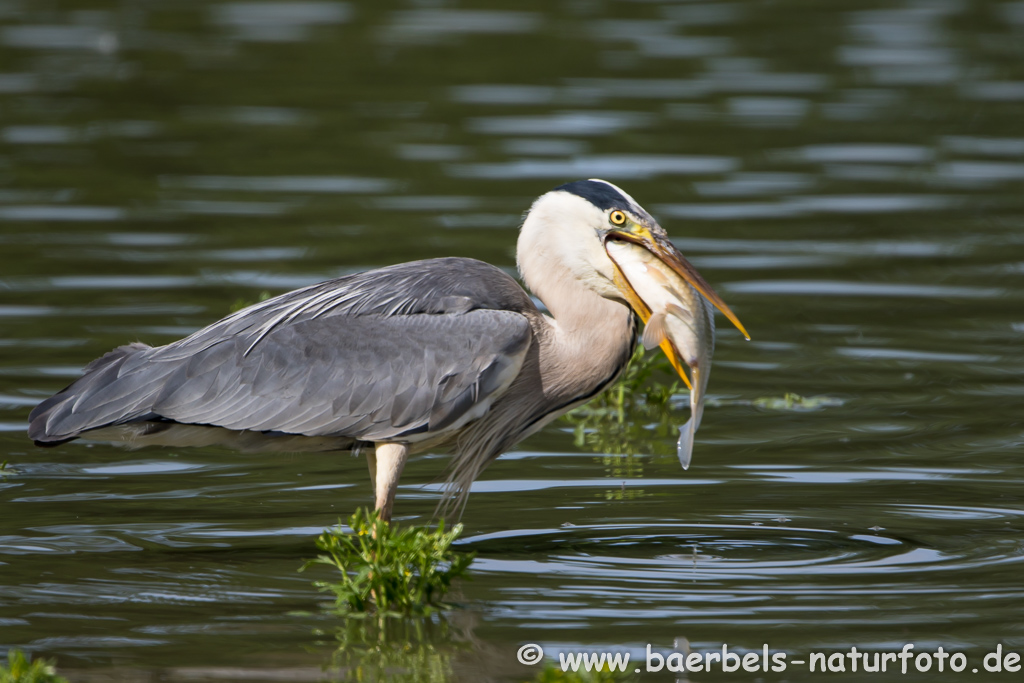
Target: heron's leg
x=391 y=459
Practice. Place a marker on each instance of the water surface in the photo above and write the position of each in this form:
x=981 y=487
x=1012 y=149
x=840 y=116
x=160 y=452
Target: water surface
x=847 y=175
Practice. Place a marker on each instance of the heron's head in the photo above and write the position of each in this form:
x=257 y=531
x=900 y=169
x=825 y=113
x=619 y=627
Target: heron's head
x=569 y=229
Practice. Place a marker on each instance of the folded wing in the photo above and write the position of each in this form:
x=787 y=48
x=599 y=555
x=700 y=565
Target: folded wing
x=398 y=353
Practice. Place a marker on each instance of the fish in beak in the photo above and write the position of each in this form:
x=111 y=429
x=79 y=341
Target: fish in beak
x=677 y=307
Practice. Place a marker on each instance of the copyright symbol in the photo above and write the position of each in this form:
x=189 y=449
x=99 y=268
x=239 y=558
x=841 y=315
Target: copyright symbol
x=530 y=654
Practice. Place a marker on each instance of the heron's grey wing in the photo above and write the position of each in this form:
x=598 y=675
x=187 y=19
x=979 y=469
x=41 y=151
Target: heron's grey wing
x=371 y=377
x=411 y=347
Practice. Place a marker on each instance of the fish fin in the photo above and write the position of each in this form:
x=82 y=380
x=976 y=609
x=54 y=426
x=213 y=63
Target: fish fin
x=688 y=432
x=654 y=331
x=677 y=310
x=684 y=449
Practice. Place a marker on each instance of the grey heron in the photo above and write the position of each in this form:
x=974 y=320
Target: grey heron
x=447 y=352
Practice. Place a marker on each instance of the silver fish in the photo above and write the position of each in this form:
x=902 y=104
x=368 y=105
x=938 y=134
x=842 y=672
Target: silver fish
x=681 y=320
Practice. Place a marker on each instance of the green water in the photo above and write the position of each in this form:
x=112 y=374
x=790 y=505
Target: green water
x=848 y=176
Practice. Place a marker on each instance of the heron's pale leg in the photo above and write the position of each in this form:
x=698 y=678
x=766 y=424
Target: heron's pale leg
x=391 y=459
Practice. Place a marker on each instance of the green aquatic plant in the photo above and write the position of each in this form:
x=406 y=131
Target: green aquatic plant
x=387 y=569
x=21 y=669
x=241 y=303
x=636 y=414
x=5 y=469
x=788 y=401
x=796 y=402
x=552 y=673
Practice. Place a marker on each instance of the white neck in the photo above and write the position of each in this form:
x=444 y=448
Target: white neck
x=575 y=308
x=590 y=330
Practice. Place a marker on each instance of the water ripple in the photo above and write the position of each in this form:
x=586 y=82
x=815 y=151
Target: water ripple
x=870 y=289
x=311 y=184
x=609 y=165
x=706 y=554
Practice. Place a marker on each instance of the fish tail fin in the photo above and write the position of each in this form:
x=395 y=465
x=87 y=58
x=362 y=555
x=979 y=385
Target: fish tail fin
x=684 y=449
x=688 y=432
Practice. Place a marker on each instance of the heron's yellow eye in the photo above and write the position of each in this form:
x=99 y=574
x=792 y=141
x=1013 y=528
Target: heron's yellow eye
x=617 y=217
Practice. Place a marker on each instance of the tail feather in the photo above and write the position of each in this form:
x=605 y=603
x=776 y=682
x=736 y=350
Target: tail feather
x=96 y=399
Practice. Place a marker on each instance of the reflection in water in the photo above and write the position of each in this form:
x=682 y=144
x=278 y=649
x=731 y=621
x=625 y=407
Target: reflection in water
x=638 y=414
x=408 y=650
x=277 y=21
x=412 y=27
x=317 y=184
x=621 y=165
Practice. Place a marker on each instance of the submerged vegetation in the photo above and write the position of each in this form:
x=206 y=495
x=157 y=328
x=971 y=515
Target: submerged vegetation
x=636 y=415
x=796 y=402
x=406 y=650
x=389 y=570
x=552 y=673
x=21 y=669
x=642 y=412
